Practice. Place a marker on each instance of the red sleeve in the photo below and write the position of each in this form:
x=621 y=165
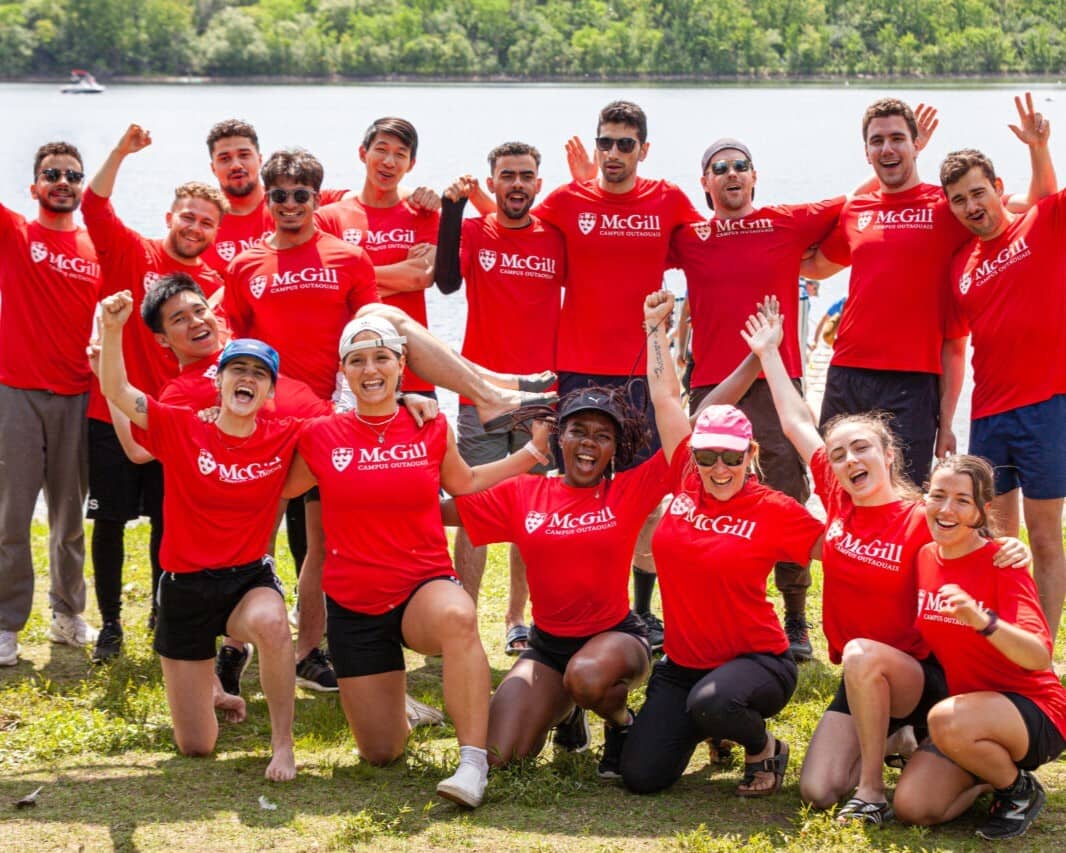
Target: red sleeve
x=487 y=516
x=427 y=226
x=234 y=303
x=325 y=221
x=826 y=485
x=1018 y=602
x=955 y=323
x=795 y=531
x=817 y=219
x=684 y=211
x=835 y=246
x=113 y=240
x=163 y=422
x=550 y=210
x=9 y=220
x=364 y=288
x=330 y=196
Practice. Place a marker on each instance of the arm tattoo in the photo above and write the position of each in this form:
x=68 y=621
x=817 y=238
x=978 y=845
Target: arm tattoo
x=140 y=405
x=658 y=358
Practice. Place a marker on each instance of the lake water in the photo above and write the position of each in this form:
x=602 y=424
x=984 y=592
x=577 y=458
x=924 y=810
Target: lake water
x=806 y=140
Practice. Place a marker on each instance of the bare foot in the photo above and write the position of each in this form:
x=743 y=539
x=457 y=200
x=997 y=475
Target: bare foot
x=282 y=766
x=232 y=707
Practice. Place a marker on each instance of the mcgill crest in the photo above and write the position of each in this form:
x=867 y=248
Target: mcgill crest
x=150 y=280
x=38 y=251
x=353 y=236
x=487 y=259
x=257 y=285
x=586 y=222
x=964 y=283
x=703 y=230
x=227 y=250
x=534 y=520
x=206 y=462
x=682 y=505
x=864 y=220
x=341 y=457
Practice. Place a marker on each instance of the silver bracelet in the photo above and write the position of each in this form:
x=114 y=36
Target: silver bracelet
x=536 y=454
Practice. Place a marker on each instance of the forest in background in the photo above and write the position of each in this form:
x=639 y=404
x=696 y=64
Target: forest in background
x=537 y=39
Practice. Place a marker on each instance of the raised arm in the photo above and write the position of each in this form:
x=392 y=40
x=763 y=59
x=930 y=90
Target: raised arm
x=797 y=421
x=458 y=478
x=132 y=402
x=663 y=384
x=135 y=139
x=446 y=270
x=1034 y=130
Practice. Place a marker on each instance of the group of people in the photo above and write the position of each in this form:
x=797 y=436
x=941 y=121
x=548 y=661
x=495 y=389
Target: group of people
x=281 y=365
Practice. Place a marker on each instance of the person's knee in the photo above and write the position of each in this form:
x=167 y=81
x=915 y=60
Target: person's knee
x=946 y=728
x=380 y=754
x=641 y=777
x=584 y=681
x=913 y=805
x=195 y=744
x=460 y=619
x=270 y=628
x=862 y=660
x=819 y=791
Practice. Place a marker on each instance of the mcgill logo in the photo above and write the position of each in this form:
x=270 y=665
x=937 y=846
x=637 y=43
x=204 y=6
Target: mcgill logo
x=487 y=259
x=566 y=522
x=732 y=226
x=586 y=222
x=633 y=222
x=892 y=218
x=352 y=235
x=396 y=235
x=61 y=263
x=227 y=250
x=399 y=453
x=257 y=285
x=990 y=267
x=316 y=275
x=236 y=473
x=684 y=507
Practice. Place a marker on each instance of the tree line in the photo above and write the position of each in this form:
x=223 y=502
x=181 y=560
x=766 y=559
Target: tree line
x=583 y=39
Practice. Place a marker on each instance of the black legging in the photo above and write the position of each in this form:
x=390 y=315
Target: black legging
x=686 y=706
x=109 y=554
x=296 y=527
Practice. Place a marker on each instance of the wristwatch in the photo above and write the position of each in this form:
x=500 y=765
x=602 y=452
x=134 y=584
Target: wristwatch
x=992 y=626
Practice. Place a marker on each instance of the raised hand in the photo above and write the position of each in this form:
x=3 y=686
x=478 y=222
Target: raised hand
x=424 y=198
x=116 y=310
x=763 y=333
x=658 y=307
x=1032 y=128
x=135 y=139
x=461 y=187
x=581 y=165
x=926 y=117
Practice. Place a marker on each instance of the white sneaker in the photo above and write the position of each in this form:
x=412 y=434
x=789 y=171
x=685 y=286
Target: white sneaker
x=421 y=714
x=71 y=630
x=466 y=787
x=9 y=648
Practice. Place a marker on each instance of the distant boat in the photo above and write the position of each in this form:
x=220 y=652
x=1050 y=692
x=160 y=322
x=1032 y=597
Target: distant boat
x=81 y=83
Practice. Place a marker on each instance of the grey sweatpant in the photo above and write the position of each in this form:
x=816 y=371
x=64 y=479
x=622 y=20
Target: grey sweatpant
x=43 y=444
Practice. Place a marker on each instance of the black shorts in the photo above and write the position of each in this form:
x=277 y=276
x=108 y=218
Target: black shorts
x=367 y=643
x=194 y=607
x=120 y=490
x=637 y=395
x=556 y=652
x=934 y=690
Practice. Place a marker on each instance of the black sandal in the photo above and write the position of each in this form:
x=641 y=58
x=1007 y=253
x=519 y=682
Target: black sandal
x=776 y=765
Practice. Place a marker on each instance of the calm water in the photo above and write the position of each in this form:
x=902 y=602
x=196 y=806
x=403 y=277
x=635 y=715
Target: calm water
x=805 y=140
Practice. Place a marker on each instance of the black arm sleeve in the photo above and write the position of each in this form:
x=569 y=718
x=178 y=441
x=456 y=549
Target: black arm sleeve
x=446 y=273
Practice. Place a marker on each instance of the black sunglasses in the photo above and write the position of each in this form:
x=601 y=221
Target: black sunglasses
x=300 y=196
x=626 y=144
x=707 y=458
x=73 y=176
x=720 y=167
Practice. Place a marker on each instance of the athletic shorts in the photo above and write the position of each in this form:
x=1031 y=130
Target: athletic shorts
x=1025 y=447
x=912 y=398
x=120 y=490
x=555 y=651
x=478 y=447
x=639 y=399
x=195 y=606
x=367 y=643
x=934 y=689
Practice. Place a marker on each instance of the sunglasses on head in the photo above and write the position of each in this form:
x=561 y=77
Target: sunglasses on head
x=73 y=176
x=720 y=167
x=300 y=196
x=708 y=458
x=626 y=144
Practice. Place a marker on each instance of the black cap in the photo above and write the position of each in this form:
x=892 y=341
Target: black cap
x=591 y=400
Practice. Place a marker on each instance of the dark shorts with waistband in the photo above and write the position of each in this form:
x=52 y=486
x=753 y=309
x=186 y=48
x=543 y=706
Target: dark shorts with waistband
x=554 y=651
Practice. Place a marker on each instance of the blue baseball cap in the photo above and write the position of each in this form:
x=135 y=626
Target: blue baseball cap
x=253 y=348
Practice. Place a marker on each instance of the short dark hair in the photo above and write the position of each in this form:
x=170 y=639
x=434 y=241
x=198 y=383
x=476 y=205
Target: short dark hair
x=401 y=128
x=958 y=163
x=53 y=148
x=512 y=149
x=885 y=107
x=159 y=293
x=625 y=112
x=231 y=127
x=294 y=163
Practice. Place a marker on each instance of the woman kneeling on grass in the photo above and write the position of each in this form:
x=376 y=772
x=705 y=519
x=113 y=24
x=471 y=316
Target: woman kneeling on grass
x=875 y=526
x=727 y=665
x=222 y=481
x=1007 y=712
x=388 y=577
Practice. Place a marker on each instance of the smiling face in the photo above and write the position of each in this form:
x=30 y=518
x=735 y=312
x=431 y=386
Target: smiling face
x=891 y=151
x=190 y=327
x=953 y=514
x=291 y=216
x=977 y=203
x=374 y=376
x=387 y=159
x=588 y=441
x=515 y=184
x=862 y=463
x=619 y=170
x=192 y=226
x=235 y=161
x=245 y=384
x=721 y=481
x=732 y=191
x=61 y=195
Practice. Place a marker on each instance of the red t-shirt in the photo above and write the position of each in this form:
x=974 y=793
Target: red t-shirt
x=514 y=279
x=298 y=300
x=1011 y=293
x=194 y=388
x=387 y=234
x=971 y=663
x=135 y=263
x=49 y=281
x=730 y=264
x=220 y=493
x=616 y=247
x=868 y=566
x=380 y=508
x=713 y=558
x=899 y=246
x=577 y=544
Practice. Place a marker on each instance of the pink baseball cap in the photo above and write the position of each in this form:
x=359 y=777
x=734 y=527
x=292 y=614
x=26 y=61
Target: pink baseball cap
x=722 y=426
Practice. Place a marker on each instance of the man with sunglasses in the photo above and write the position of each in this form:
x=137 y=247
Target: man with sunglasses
x=49 y=281
x=120 y=490
x=617 y=228
x=730 y=261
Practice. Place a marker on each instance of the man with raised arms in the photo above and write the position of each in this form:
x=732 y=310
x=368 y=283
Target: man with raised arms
x=397 y=232
x=617 y=228
x=49 y=278
x=513 y=265
x=1008 y=288
x=119 y=490
x=899 y=241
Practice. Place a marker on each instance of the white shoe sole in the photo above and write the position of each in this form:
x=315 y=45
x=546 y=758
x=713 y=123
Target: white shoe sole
x=63 y=639
x=459 y=796
x=308 y=684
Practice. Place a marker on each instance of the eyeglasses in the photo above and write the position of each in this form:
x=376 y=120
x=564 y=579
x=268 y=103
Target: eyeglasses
x=720 y=167
x=708 y=458
x=73 y=176
x=626 y=144
x=300 y=196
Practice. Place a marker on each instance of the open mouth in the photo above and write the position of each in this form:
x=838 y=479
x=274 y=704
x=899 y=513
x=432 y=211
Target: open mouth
x=943 y=524
x=372 y=385
x=585 y=462
x=859 y=478
x=724 y=481
x=201 y=336
x=243 y=394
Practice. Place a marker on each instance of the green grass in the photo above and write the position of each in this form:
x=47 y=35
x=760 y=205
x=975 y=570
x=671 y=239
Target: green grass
x=98 y=740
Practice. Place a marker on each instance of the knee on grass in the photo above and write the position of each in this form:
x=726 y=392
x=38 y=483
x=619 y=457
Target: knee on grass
x=821 y=793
